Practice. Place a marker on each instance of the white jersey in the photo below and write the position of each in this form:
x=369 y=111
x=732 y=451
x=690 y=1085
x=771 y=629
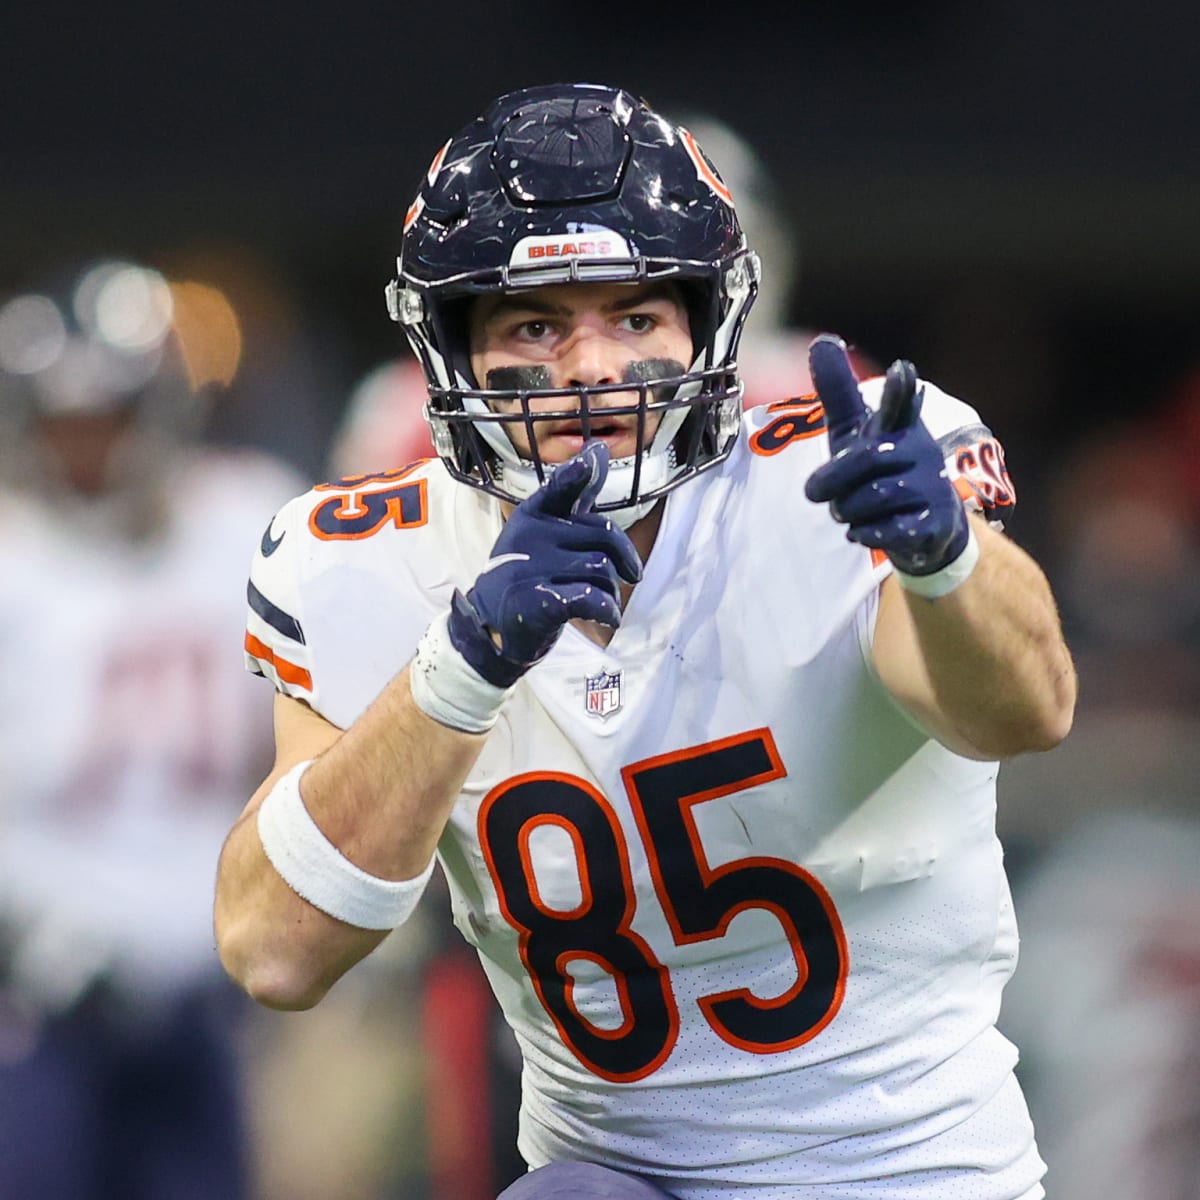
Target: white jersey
x=128 y=734
x=749 y=924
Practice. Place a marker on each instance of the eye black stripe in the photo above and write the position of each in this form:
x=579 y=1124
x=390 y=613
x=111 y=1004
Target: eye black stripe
x=274 y=616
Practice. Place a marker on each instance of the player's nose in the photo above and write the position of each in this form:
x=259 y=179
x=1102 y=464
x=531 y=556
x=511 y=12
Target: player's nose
x=589 y=358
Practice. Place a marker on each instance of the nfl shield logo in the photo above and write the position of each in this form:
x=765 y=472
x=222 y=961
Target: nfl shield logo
x=603 y=694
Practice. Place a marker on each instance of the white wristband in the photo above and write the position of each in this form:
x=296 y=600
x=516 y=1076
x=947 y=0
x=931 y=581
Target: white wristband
x=447 y=688
x=313 y=867
x=951 y=576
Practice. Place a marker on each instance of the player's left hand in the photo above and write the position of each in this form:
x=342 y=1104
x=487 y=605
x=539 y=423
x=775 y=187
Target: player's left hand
x=886 y=479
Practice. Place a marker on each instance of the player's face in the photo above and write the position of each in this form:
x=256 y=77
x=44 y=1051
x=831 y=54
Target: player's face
x=580 y=334
x=82 y=446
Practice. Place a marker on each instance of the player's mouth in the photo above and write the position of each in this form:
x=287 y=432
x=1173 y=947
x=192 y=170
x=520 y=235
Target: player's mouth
x=563 y=439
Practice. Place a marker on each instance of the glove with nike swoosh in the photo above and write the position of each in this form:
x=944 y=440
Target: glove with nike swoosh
x=886 y=479
x=555 y=561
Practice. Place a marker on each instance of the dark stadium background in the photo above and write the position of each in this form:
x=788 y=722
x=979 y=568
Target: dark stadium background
x=971 y=184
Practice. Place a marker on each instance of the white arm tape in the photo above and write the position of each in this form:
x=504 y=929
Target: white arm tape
x=447 y=688
x=951 y=576
x=313 y=867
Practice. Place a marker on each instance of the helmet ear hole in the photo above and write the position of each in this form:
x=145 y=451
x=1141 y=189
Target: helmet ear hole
x=455 y=319
x=447 y=208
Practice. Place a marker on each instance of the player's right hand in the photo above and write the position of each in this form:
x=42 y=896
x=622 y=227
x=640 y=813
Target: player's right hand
x=555 y=560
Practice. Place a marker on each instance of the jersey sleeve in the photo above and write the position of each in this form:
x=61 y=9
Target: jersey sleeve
x=275 y=643
x=974 y=456
x=348 y=576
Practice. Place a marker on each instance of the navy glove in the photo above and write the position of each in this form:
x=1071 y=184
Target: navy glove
x=554 y=561
x=887 y=477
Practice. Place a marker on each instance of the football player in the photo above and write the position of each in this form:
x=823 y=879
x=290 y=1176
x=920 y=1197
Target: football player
x=699 y=712
x=127 y=741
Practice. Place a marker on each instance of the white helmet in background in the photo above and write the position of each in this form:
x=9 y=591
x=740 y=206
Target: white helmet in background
x=94 y=393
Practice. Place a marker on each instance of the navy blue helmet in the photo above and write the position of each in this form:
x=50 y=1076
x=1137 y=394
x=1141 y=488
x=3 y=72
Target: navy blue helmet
x=574 y=183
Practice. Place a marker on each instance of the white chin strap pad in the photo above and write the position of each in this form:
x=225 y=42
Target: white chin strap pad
x=522 y=481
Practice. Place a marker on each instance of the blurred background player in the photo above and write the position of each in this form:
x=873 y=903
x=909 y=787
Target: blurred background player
x=127 y=734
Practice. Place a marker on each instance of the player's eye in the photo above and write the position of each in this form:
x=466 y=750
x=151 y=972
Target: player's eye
x=639 y=322
x=536 y=330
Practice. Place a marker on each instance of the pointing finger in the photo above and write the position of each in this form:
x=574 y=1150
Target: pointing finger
x=836 y=386
x=574 y=486
x=900 y=406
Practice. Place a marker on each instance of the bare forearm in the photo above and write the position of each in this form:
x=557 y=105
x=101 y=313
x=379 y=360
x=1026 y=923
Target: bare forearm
x=998 y=668
x=284 y=952
x=381 y=793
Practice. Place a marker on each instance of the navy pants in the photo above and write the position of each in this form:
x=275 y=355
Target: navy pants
x=100 y=1106
x=580 y=1181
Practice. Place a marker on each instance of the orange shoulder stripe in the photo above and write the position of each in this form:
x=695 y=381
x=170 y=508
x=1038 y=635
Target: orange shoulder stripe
x=289 y=672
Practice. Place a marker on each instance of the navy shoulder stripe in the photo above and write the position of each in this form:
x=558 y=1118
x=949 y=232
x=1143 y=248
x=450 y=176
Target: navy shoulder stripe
x=274 y=616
